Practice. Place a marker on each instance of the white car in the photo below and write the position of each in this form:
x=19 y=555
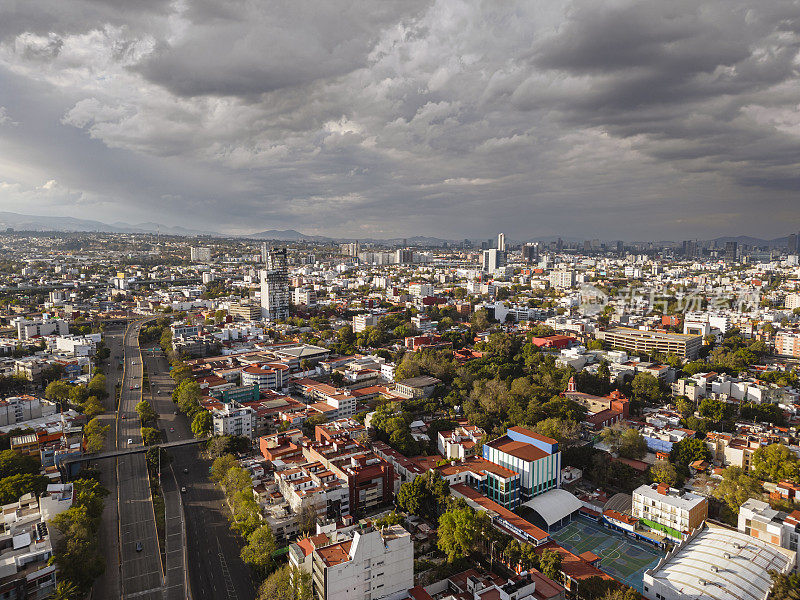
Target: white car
x=130 y=441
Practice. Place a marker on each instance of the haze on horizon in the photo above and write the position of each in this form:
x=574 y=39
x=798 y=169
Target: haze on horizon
x=588 y=118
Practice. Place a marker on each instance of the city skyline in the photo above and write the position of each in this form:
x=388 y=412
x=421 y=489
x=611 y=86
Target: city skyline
x=581 y=119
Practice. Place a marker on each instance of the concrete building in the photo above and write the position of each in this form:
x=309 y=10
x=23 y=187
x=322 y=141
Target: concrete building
x=416 y=387
x=361 y=322
x=501 y=242
x=18 y=409
x=717 y=563
x=493 y=260
x=787 y=343
x=247 y=311
x=374 y=565
x=275 y=285
x=562 y=278
x=233 y=419
x=674 y=513
x=25 y=552
x=200 y=254
x=758 y=520
x=648 y=342
x=32 y=328
x=305 y=295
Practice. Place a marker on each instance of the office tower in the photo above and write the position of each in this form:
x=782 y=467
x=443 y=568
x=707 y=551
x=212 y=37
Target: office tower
x=404 y=256
x=689 y=248
x=264 y=252
x=731 y=251
x=501 y=242
x=493 y=259
x=792 y=246
x=620 y=247
x=529 y=253
x=587 y=245
x=275 y=285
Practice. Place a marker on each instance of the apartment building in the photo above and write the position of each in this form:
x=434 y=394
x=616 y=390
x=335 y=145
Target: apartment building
x=672 y=512
x=25 y=552
x=33 y=328
x=648 y=342
x=459 y=443
x=562 y=278
x=304 y=295
x=373 y=565
x=758 y=520
x=733 y=450
x=314 y=486
x=275 y=285
x=247 y=311
x=17 y=409
x=361 y=322
x=787 y=343
x=200 y=254
x=233 y=419
x=267 y=376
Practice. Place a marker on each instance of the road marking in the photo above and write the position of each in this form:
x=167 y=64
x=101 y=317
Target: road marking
x=144 y=592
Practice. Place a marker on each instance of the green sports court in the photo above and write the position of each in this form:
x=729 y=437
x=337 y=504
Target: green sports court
x=624 y=559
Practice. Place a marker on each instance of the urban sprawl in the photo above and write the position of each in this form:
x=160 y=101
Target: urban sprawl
x=474 y=420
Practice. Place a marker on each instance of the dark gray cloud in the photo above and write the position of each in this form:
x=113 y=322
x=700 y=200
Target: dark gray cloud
x=447 y=117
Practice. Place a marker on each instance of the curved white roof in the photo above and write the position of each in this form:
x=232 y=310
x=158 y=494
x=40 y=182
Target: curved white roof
x=554 y=505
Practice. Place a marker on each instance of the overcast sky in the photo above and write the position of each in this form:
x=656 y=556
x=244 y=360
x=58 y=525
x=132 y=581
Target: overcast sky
x=645 y=119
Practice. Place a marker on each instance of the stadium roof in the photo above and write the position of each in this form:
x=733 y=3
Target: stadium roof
x=554 y=505
x=720 y=563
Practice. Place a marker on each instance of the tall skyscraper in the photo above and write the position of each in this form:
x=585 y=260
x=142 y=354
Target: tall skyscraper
x=275 y=285
x=690 y=248
x=731 y=251
x=501 y=242
x=529 y=253
x=493 y=259
x=792 y=247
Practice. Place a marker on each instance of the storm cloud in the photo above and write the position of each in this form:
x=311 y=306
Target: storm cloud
x=611 y=119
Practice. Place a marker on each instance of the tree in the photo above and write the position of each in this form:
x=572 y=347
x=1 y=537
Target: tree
x=307 y=519
x=66 y=590
x=97 y=386
x=775 y=463
x=95 y=434
x=14 y=486
x=712 y=409
x=684 y=406
x=14 y=463
x=460 y=532
x=784 y=586
x=286 y=583
x=92 y=407
x=736 y=488
x=146 y=412
x=550 y=564
x=479 y=320
x=688 y=451
x=221 y=466
x=258 y=552
x=663 y=471
x=565 y=431
x=57 y=391
x=645 y=388
x=632 y=444
x=425 y=496
x=202 y=423
x=151 y=436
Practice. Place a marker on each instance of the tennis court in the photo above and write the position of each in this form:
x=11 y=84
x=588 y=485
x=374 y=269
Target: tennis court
x=623 y=558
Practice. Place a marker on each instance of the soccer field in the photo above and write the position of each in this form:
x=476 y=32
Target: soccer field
x=624 y=559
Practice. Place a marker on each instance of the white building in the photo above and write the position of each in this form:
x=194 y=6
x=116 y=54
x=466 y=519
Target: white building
x=305 y=295
x=674 y=513
x=493 y=260
x=374 y=565
x=30 y=328
x=562 y=278
x=233 y=419
x=361 y=322
x=420 y=290
x=200 y=254
x=758 y=520
x=717 y=563
x=17 y=409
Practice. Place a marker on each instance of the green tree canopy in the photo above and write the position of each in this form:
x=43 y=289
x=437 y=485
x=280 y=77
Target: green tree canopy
x=202 y=423
x=775 y=463
x=461 y=531
x=736 y=488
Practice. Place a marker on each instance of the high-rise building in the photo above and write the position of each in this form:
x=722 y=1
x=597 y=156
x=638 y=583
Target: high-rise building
x=275 y=285
x=493 y=260
x=792 y=247
x=529 y=253
x=350 y=249
x=404 y=256
x=731 y=251
x=200 y=254
x=501 y=242
x=689 y=248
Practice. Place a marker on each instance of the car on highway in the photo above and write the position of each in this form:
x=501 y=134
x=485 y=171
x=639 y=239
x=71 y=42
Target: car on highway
x=130 y=441
x=172 y=430
x=183 y=490
x=185 y=469
x=123 y=416
x=138 y=546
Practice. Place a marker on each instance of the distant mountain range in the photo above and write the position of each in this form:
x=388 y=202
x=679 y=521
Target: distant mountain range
x=42 y=223
x=22 y=222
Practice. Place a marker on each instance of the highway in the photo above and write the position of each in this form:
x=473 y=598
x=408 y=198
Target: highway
x=216 y=572
x=141 y=568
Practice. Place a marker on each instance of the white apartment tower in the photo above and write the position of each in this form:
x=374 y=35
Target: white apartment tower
x=200 y=254
x=501 y=242
x=275 y=286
